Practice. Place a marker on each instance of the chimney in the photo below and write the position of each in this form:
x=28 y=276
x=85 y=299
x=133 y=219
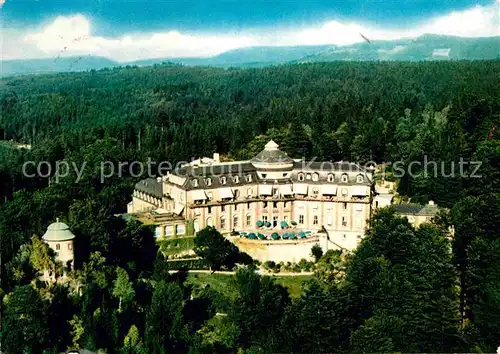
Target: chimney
x=216 y=157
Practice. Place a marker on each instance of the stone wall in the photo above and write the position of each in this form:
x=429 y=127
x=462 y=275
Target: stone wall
x=280 y=250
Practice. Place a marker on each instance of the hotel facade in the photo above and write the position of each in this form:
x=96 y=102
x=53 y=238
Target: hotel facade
x=333 y=198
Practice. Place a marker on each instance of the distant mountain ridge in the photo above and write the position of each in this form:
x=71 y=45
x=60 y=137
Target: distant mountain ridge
x=425 y=47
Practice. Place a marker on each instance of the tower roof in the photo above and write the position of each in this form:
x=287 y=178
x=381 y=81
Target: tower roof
x=58 y=231
x=271 y=155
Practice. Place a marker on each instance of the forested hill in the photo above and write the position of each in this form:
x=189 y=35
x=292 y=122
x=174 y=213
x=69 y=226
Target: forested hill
x=344 y=110
x=423 y=48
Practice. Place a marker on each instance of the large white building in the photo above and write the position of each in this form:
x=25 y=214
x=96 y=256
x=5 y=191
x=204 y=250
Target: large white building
x=272 y=187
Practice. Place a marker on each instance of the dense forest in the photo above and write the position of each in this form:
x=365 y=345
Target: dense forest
x=404 y=289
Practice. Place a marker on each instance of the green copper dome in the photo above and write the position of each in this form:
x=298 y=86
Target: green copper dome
x=58 y=231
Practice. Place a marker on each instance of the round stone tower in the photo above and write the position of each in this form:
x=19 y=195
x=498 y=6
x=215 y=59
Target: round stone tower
x=60 y=239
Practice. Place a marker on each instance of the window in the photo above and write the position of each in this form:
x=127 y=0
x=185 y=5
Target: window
x=301 y=219
x=344 y=178
x=329 y=220
x=344 y=206
x=275 y=221
x=301 y=177
x=344 y=221
x=265 y=205
x=208 y=181
x=223 y=208
x=285 y=205
x=235 y=221
x=249 y=192
x=58 y=247
x=236 y=179
x=331 y=177
x=195 y=183
x=360 y=179
x=285 y=174
x=308 y=176
x=315 y=220
x=359 y=222
x=275 y=191
x=285 y=218
x=223 y=180
x=264 y=175
x=315 y=191
x=249 y=220
x=236 y=207
x=264 y=218
x=210 y=222
x=210 y=196
x=345 y=236
x=249 y=205
x=236 y=194
x=222 y=223
x=344 y=192
x=315 y=177
x=70 y=246
x=210 y=210
x=249 y=178
x=275 y=205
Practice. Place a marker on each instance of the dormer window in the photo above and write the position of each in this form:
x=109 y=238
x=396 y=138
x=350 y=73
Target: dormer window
x=308 y=176
x=331 y=177
x=223 y=180
x=194 y=182
x=315 y=177
x=344 y=178
x=360 y=179
x=236 y=179
x=301 y=177
x=249 y=178
x=208 y=181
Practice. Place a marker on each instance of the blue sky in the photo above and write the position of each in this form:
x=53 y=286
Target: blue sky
x=133 y=29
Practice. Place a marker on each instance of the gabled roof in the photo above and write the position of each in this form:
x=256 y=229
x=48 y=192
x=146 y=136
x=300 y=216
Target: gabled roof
x=415 y=209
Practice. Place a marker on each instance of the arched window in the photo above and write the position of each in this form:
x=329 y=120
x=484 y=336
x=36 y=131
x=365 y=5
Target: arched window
x=331 y=177
x=249 y=178
x=223 y=180
x=360 y=179
x=301 y=177
x=210 y=222
x=315 y=177
x=345 y=178
x=208 y=181
x=194 y=182
x=236 y=179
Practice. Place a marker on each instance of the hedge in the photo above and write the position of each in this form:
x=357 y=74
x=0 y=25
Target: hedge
x=187 y=263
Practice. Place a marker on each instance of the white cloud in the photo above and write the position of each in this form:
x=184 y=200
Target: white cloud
x=72 y=35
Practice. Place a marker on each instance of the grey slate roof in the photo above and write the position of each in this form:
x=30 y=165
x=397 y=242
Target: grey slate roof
x=415 y=209
x=150 y=186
